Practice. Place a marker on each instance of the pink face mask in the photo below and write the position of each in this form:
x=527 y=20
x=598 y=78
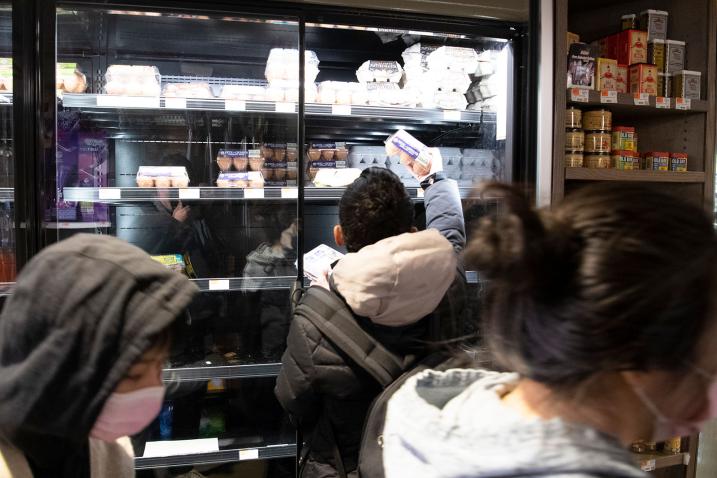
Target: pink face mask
x=665 y=428
x=125 y=414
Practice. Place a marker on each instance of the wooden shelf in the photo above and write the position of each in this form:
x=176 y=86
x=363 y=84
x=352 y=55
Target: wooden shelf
x=626 y=105
x=587 y=174
x=650 y=462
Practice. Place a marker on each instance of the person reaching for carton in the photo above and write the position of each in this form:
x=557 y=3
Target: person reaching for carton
x=389 y=284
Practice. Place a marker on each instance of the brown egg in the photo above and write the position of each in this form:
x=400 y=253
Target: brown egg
x=256 y=164
x=342 y=154
x=163 y=182
x=224 y=163
x=240 y=164
x=327 y=154
x=268 y=174
x=314 y=154
x=267 y=152
x=145 y=182
x=292 y=174
x=180 y=182
x=280 y=174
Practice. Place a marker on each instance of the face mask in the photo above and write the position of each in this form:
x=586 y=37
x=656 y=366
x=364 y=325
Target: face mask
x=125 y=414
x=665 y=428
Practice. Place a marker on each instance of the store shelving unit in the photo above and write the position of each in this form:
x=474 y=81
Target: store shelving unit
x=672 y=128
x=268 y=452
x=688 y=128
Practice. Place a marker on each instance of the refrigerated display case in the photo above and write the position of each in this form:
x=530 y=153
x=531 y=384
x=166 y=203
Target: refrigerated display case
x=7 y=160
x=219 y=140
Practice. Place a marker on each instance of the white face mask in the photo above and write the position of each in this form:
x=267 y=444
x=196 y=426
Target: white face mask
x=125 y=414
x=664 y=427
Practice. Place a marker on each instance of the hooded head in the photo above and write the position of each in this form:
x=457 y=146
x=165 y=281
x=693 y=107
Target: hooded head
x=82 y=313
x=398 y=280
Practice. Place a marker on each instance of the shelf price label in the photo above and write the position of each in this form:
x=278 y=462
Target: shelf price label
x=341 y=110
x=641 y=99
x=451 y=115
x=219 y=284
x=254 y=193
x=112 y=101
x=662 y=102
x=607 y=96
x=249 y=454
x=285 y=107
x=110 y=193
x=234 y=105
x=683 y=103
x=175 y=103
x=189 y=193
x=579 y=95
x=648 y=465
x=290 y=193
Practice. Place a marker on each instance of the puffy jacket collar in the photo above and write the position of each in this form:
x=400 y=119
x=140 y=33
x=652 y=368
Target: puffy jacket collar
x=399 y=280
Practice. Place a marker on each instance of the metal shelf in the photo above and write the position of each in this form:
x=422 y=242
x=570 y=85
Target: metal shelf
x=111 y=195
x=193 y=374
x=650 y=462
x=588 y=174
x=626 y=105
x=247 y=284
x=284 y=450
x=7 y=194
x=95 y=101
x=78 y=225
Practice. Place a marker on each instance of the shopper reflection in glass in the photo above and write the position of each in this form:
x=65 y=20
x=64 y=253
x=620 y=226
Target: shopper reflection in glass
x=82 y=343
x=276 y=258
x=604 y=310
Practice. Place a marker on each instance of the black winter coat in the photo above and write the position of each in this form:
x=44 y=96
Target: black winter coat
x=326 y=395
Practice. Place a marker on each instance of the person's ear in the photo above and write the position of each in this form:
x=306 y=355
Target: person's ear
x=339 y=236
x=413 y=229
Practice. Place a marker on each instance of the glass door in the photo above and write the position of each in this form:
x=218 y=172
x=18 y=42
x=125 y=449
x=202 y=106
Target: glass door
x=7 y=159
x=177 y=132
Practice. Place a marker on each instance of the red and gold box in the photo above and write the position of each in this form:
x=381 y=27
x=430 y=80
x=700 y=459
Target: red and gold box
x=643 y=79
x=631 y=47
x=622 y=79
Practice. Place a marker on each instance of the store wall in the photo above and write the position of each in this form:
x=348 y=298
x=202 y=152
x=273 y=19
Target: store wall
x=506 y=10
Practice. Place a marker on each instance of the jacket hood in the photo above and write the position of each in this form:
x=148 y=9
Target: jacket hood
x=454 y=424
x=82 y=312
x=399 y=280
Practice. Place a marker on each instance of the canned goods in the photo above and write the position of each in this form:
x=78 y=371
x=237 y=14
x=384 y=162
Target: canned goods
x=623 y=138
x=678 y=162
x=597 y=120
x=575 y=140
x=573 y=118
x=597 y=160
x=597 y=142
x=573 y=159
x=657 y=161
x=625 y=160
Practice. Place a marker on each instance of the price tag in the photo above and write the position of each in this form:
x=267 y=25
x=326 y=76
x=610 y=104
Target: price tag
x=683 y=103
x=579 y=95
x=289 y=193
x=420 y=193
x=642 y=99
x=111 y=101
x=686 y=459
x=110 y=193
x=235 y=105
x=254 y=193
x=341 y=110
x=191 y=193
x=249 y=454
x=608 y=96
x=175 y=103
x=285 y=107
x=662 y=102
x=648 y=465
x=219 y=284
x=451 y=115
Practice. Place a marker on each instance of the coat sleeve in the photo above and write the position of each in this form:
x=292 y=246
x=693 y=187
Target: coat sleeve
x=444 y=212
x=294 y=386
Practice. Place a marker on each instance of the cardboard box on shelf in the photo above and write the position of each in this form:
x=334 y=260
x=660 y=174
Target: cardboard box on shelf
x=631 y=47
x=606 y=74
x=622 y=79
x=581 y=66
x=643 y=79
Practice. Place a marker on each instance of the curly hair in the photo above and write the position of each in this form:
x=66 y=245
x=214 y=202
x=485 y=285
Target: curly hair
x=374 y=207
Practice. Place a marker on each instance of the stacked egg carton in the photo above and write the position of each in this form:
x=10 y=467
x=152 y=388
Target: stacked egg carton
x=483 y=90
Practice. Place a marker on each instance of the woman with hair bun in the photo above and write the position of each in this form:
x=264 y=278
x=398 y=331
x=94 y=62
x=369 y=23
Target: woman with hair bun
x=600 y=316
